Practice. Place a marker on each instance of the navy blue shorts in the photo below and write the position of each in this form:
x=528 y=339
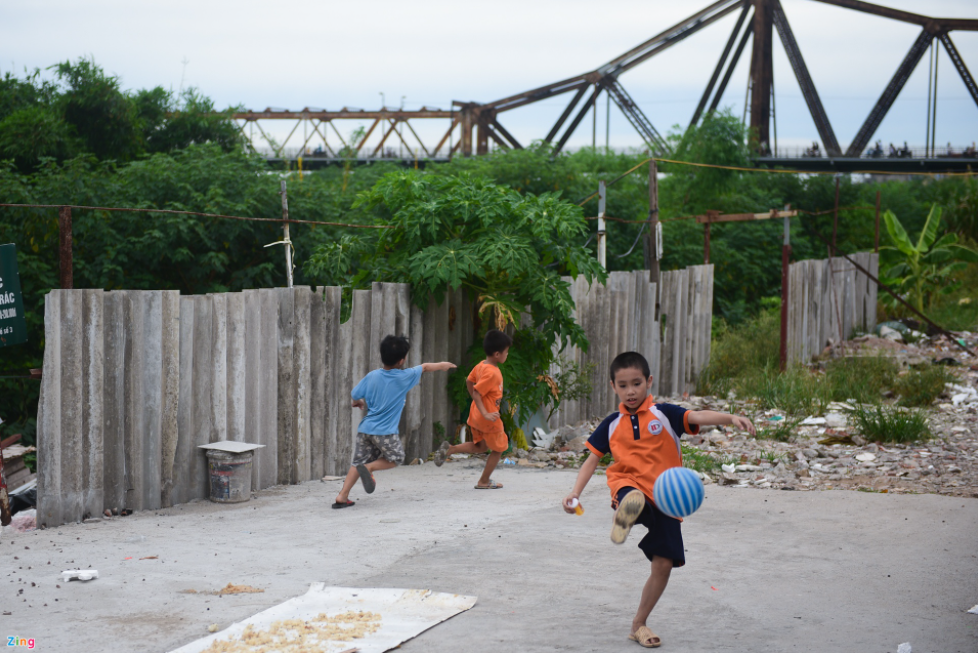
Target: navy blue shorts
x=665 y=537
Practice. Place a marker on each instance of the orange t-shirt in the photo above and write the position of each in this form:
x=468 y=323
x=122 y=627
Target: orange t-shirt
x=488 y=382
x=643 y=445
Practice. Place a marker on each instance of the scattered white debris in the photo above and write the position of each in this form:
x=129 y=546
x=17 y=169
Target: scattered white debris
x=973 y=610
x=813 y=421
x=865 y=457
x=904 y=648
x=79 y=574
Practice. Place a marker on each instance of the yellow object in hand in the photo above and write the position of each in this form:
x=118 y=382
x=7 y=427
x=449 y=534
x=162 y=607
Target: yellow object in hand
x=578 y=508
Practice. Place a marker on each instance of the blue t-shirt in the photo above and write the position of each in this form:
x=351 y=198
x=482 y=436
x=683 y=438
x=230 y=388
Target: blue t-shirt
x=384 y=391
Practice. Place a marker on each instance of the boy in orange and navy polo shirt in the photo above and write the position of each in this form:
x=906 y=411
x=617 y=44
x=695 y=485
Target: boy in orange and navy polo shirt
x=485 y=385
x=643 y=438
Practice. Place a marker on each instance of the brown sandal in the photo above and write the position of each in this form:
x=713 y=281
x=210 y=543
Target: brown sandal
x=646 y=638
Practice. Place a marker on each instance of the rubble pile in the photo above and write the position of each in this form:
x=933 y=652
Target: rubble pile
x=821 y=451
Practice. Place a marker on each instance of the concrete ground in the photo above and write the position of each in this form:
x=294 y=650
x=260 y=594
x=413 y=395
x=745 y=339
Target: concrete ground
x=767 y=570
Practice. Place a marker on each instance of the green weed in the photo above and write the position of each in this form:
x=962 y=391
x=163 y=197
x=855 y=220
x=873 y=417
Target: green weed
x=701 y=461
x=883 y=424
x=781 y=431
x=859 y=379
x=920 y=387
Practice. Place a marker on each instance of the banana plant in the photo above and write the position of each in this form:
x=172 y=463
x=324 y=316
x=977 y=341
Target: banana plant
x=920 y=271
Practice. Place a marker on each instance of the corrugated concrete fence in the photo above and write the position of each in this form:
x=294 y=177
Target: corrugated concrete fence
x=828 y=300
x=620 y=316
x=134 y=381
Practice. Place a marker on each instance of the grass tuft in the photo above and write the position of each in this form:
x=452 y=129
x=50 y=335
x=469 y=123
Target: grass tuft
x=782 y=431
x=920 y=387
x=702 y=461
x=901 y=426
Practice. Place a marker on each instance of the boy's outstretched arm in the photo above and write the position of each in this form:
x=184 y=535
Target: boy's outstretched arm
x=477 y=399
x=713 y=418
x=583 y=476
x=437 y=367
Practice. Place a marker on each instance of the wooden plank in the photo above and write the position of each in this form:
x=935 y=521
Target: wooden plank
x=360 y=357
x=334 y=399
x=254 y=401
x=266 y=458
x=413 y=409
x=170 y=392
x=113 y=398
x=744 y=217
x=317 y=385
x=219 y=361
x=184 y=480
x=236 y=366
x=49 y=504
x=427 y=388
x=203 y=431
x=302 y=379
x=286 y=427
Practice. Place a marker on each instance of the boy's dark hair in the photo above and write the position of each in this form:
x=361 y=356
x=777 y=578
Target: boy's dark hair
x=394 y=349
x=496 y=341
x=630 y=359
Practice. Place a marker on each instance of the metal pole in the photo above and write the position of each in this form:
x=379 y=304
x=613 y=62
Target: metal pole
x=64 y=247
x=653 y=238
x=285 y=230
x=602 y=242
x=876 y=242
x=835 y=217
x=930 y=86
x=933 y=115
x=607 y=122
x=785 y=263
x=594 y=125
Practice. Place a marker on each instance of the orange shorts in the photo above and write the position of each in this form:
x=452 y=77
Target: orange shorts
x=496 y=440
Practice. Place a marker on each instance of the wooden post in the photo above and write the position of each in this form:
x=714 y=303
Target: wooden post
x=785 y=262
x=285 y=230
x=64 y=249
x=835 y=218
x=876 y=242
x=602 y=240
x=706 y=244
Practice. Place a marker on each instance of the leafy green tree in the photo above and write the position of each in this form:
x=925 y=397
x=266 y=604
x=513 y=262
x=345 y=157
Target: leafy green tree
x=34 y=133
x=507 y=250
x=923 y=270
x=102 y=115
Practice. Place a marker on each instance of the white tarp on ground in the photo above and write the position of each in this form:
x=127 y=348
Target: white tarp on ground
x=404 y=614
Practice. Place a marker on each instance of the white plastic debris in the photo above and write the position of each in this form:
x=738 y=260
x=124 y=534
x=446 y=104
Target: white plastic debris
x=728 y=468
x=973 y=610
x=904 y=648
x=865 y=457
x=79 y=574
x=813 y=421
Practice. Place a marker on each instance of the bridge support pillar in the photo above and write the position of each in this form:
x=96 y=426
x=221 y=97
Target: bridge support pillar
x=761 y=73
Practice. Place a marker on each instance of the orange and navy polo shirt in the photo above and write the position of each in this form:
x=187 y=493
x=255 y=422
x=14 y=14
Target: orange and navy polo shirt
x=643 y=445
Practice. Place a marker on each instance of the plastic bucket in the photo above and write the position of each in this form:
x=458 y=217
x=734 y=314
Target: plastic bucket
x=230 y=475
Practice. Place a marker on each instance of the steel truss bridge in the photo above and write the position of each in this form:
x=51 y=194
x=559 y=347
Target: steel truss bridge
x=474 y=128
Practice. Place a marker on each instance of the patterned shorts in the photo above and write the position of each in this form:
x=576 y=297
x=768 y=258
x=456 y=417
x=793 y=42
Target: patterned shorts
x=373 y=447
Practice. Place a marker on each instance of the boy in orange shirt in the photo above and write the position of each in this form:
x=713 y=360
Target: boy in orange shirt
x=643 y=438
x=485 y=384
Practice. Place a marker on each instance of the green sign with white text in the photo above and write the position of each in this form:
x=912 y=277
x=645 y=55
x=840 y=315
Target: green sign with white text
x=13 y=328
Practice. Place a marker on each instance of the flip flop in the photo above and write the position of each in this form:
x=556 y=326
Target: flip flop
x=493 y=485
x=441 y=454
x=646 y=638
x=346 y=504
x=626 y=515
x=367 y=479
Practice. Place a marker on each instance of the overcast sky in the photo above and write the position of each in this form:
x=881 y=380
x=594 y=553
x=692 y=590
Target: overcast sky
x=333 y=54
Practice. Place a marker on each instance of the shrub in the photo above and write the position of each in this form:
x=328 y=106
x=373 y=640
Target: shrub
x=920 y=387
x=880 y=424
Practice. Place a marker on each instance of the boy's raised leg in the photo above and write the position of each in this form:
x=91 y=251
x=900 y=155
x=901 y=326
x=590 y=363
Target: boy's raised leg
x=654 y=586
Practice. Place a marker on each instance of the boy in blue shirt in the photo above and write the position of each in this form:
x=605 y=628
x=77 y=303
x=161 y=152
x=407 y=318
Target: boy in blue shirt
x=381 y=393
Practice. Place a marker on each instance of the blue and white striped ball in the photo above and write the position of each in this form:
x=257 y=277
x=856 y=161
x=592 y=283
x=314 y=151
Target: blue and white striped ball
x=678 y=492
